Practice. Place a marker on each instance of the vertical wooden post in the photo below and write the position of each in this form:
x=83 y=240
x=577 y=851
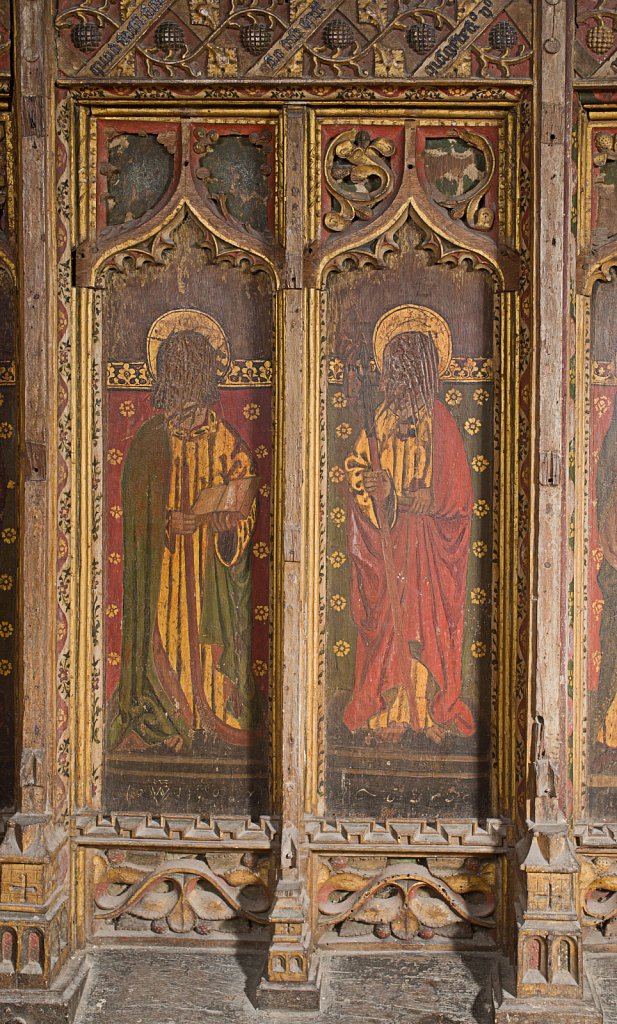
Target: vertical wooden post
x=34 y=856
x=550 y=970
x=292 y=980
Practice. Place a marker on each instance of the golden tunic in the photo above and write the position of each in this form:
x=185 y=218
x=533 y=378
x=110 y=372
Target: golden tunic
x=408 y=460
x=210 y=455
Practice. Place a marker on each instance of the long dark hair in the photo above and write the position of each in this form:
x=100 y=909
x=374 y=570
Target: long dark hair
x=185 y=372
x=412 y=359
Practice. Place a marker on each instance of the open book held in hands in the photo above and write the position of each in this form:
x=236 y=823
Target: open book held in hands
x=236 y=496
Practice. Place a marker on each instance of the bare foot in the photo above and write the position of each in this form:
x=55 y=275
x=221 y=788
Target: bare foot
x=435 y=733
x=175 y=743
x=392 y=733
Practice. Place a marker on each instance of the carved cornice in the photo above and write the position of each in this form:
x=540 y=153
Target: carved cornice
x=192 y=830
x=353 y=834
x=594 y=837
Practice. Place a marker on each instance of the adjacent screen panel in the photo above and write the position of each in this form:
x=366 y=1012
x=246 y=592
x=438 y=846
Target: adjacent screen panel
x=602 y=560
x=186 y=537
x=409 y=538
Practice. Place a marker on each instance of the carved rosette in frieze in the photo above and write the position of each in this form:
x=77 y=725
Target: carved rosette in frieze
x=178 y=894
x=440 y=899
x=350 y=39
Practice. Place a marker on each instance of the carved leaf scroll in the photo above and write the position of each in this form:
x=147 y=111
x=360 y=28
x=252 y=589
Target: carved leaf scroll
x=184 y=894
x=408 y=898
x=358 y=175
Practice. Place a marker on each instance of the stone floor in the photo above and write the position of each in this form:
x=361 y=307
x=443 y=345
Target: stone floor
x=143 y=986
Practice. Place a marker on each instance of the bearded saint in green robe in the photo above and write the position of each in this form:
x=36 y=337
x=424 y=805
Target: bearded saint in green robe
x=187 y=592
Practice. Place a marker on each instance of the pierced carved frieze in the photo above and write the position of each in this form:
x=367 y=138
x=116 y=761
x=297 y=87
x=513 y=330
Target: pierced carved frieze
x=430 y=900
x=348 y=39
x=217 y=893
x=595 y=44
x=598 y=898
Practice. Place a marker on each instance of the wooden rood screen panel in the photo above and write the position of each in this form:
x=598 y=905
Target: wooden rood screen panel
x=414 y=352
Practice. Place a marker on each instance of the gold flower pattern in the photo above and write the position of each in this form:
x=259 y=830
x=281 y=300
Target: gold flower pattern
x=337 y=515
x=337 y=559
x=251 y=411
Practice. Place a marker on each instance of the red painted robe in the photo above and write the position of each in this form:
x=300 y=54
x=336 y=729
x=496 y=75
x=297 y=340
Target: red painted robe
x=430 y=557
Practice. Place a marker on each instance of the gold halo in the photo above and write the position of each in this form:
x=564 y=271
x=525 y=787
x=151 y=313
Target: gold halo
x=406 y=318
x=188 y=320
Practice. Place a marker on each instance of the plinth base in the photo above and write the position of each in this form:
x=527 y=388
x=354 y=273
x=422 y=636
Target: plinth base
x=510 y=1010
x=55 y=1005
x=290 y=995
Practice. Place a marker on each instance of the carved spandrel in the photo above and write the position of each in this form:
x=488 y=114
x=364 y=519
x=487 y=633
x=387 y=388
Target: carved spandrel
x=350 y=39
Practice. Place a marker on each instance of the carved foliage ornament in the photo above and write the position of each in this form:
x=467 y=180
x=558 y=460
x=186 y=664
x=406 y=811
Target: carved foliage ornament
x=598 y=886
x=596 y=38
x=184 y=894
x=358 y=176
x=407 y=899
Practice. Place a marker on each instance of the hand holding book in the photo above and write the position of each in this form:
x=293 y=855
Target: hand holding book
x=222 y=506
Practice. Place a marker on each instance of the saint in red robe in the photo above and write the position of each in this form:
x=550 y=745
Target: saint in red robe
x=430 y=557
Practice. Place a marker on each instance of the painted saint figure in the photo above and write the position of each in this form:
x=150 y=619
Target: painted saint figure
x=408 y=536
x=604 y=701
x=187 y=604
